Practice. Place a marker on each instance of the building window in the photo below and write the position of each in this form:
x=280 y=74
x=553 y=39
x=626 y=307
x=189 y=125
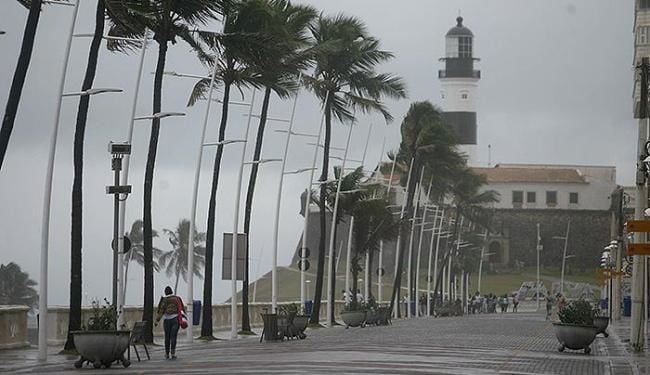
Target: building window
x=531 y=197
x=551 y=198
x=464 y=46
x=573 y=198
x=463 y=96
x=517 y=198
x=644 y=4
x=642 y=35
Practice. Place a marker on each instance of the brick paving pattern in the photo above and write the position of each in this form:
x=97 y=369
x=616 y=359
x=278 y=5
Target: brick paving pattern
x=522 y=343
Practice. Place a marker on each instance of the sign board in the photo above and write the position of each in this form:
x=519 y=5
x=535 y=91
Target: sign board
x=638 y=249
x=638 y=225
x=127 y=245
x=226 y=263
x=305 y=262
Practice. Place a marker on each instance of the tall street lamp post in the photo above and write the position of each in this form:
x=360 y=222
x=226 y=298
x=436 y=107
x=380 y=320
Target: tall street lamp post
x=195 y=190
x=235 y=234
x=45 y=222
x=564 y=256
x=330 y=266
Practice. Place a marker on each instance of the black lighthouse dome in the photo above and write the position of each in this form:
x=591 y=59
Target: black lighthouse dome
x=459 y=30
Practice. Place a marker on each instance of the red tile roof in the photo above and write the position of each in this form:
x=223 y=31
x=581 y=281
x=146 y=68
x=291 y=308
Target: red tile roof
x=534 y=175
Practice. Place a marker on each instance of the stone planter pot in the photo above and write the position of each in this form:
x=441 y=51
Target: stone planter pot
x=300 y=322
x=354 y=318
x=574 y=336
x=601 y=322
x=371 y=317
x=101 y=348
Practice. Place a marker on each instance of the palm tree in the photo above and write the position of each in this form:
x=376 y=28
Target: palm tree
x=136 y=254
x=168 y=20
x=351 y=193
x=344 y=80
x=175 y=260
x=241 y=47
x=373 y=223
x=426 y=142
x=16 y=288
x=20 y=73
x=469 y=202
x=278 y=74
x=74 y=318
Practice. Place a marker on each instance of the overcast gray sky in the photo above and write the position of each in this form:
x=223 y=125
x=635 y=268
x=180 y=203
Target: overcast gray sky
x=556 y=88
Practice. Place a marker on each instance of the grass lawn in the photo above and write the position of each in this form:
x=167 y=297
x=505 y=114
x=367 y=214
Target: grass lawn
x=508 y=282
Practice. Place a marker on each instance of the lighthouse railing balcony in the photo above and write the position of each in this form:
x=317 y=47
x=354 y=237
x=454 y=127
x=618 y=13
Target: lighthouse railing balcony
x=461 y=73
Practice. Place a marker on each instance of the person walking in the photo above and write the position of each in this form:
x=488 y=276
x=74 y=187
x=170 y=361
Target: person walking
x=549 y=306
x=169 y=308
x=515 y=302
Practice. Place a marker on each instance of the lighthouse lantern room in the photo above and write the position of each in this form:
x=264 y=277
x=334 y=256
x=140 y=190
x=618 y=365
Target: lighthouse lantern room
x=459 y=88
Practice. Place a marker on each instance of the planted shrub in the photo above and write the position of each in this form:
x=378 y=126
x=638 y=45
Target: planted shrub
x=578 y=312
x=103 y=318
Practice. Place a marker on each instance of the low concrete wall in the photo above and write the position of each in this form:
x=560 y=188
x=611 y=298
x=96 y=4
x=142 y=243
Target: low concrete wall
x=58 y=318
x=13 y=327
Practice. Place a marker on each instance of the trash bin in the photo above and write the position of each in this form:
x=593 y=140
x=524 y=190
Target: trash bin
x=413 y=312
x=270 y=331
x=196 y=312
x=309 y=306
x=627 y=306
x=604 y=305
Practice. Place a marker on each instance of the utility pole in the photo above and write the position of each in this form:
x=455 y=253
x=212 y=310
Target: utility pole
x=638 y=266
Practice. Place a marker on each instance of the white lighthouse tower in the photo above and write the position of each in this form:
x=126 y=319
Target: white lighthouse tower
x=459 y=82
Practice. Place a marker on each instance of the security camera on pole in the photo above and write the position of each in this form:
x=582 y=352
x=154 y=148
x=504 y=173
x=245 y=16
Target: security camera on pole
x=118 y=151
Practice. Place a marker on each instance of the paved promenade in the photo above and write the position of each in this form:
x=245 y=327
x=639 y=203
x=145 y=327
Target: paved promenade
x=522 y=343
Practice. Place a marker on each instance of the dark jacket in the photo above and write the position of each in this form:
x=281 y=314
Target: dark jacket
x=169 y=305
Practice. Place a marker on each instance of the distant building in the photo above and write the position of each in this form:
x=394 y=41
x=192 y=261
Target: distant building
x=551 y=196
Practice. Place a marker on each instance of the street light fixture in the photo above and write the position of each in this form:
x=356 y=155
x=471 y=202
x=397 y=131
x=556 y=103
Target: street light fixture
x=185 y=75
x=224 y=142
x=261 y=161
x=296 y=133
x=159 y=115
x=302 y=170
x=91 y=92
x=331 y=147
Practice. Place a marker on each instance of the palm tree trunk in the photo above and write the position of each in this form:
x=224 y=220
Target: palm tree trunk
x=445 y=259
x=318 y=291
x=354 y=304
x=74 y=317
x=19 y=77
x=371 y=255
x=397 y=283
x=332 y=281
x=245 y=318
x=126 y=271
x=206 y=324
x=147 y=225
